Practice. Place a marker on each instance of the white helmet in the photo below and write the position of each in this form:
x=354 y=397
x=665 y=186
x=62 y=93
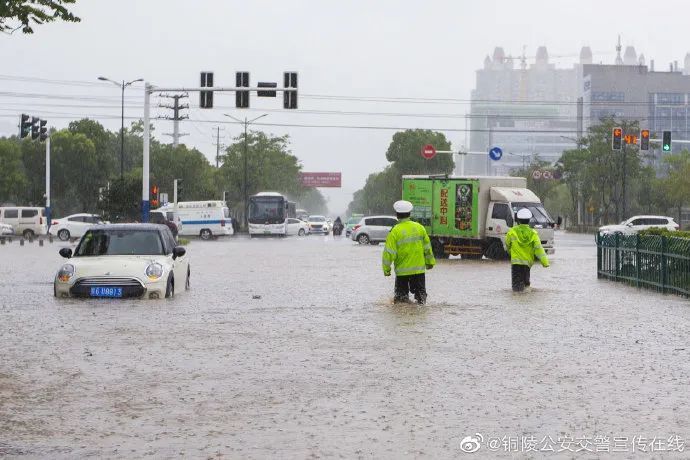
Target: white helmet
x=524 y=213
x=402 y=206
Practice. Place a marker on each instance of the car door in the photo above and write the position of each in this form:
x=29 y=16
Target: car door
x=292 y=226
x=636 y=225
x=28 y=220
x=76 y=226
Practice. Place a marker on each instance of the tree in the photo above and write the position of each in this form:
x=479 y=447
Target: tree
x=13 y=182
x=169 y=163
x=676 y=184
x=25 y=13
x=405 y=149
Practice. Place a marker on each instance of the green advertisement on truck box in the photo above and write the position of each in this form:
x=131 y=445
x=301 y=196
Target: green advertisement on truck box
x=446 y=207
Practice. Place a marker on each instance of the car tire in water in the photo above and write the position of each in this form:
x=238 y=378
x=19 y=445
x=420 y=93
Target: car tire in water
x=63 y=235
x=205 y=234
x=170 y=287
x=28 y=233
x=363 y=239
x=301 y=232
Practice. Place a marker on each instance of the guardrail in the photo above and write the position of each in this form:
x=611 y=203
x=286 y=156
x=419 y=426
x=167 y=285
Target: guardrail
x=657 y=262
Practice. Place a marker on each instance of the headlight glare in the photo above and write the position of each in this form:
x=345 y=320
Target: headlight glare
x=154 y=271
x=66 y=272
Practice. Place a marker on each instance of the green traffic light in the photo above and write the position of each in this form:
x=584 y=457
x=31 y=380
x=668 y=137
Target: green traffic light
x=667 y=147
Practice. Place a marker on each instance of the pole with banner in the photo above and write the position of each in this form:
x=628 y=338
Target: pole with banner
x=48 y=211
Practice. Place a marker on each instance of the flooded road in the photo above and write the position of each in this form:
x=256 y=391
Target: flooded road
x=293 y=349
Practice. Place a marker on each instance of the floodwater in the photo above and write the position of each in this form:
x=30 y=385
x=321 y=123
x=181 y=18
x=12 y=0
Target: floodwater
x=292 y=349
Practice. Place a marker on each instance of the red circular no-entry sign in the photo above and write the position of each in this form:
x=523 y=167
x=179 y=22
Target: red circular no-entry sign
x=428 y=151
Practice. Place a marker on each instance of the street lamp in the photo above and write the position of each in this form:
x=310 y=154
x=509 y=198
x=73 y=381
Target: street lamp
x=244 y=155
x=122 y=85
x=523 y=156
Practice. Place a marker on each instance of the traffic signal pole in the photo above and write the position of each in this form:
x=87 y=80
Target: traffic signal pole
x=48 y=211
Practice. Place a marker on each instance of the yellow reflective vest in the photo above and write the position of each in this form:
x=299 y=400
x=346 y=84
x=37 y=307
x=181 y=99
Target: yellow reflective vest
x=408 y=248
x=523 y=245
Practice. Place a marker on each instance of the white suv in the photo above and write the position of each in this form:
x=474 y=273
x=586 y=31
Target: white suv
x=373 y=229
x=637 y=223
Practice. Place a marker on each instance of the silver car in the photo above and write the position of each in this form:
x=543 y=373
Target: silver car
x=373 y=229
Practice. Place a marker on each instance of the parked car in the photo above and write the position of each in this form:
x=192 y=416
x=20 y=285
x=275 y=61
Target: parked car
x=73 y=226
x=318 y=224
x=373 y=229
x=124 y=260
x=351 y=222
x=6 y=229
x=26 y=221
x=637 y=223
x=297 y=227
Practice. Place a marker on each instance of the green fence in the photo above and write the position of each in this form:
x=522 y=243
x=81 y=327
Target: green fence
x=650 y=261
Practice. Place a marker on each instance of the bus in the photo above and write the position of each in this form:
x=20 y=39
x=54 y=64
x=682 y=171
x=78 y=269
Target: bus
x=268 y=214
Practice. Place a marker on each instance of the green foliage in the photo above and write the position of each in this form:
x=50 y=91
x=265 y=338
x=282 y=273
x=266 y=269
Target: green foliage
x=23 y=14
x=12 y=178
x=664 y=232
x=382 y=189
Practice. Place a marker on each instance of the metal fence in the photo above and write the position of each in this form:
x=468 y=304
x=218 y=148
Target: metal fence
x=649 y=261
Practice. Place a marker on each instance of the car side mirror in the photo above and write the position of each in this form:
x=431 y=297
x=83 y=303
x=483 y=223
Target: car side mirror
x=629 y=224
x=66 y=253
x=178 y=251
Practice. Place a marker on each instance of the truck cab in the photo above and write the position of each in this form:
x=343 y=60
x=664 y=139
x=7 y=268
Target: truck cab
x=505 y=203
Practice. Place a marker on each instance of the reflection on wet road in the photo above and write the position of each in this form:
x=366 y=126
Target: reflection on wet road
x=292 y=348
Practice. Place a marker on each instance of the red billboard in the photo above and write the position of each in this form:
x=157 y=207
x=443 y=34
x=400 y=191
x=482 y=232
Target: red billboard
x=321 y=179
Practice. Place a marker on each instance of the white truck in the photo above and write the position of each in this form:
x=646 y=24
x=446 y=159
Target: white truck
x=471 y=215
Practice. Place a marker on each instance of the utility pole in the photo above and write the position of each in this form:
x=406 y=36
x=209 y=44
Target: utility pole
x=218 y=146
x=623 y=184
x=176 y=107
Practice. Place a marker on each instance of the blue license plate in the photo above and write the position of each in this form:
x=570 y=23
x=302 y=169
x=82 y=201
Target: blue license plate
x=105 y=291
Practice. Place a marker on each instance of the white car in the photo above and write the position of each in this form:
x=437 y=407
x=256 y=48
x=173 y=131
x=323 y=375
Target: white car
x=297 y=227
x=6 y=229
x=124 y=260
x=73 y=226
x=637 y=223
x=318 y=224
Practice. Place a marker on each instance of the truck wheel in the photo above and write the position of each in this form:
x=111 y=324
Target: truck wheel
x=205 y=234
x=438 y=249
x=495 y=251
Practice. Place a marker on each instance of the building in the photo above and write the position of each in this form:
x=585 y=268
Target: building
x=527 y=110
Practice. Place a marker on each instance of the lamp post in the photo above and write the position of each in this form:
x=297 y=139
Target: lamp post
x=244 y=155
x=122 y=85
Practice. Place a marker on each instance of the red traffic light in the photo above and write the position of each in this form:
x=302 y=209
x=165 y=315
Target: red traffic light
x=617 y=141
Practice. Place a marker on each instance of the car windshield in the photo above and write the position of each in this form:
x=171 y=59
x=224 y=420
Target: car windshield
x=120 y=242
x=539 y=215
x=317 y=219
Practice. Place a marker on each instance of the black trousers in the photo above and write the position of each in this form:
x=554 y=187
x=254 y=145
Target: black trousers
x=519 y=276
x=416 y=284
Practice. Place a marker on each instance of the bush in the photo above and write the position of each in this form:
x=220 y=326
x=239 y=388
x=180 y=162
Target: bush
x=664 y=232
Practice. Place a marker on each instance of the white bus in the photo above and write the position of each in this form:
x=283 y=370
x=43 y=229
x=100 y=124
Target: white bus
x=204 y=219
x=268 y=214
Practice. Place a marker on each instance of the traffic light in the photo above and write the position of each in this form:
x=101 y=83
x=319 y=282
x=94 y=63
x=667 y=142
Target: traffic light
x=617 y=143
x=666 y=141
x=25 y=126
x=206 y=97
x=290 y=96
x=242 y=97
x=644 y=139
x=35 y=131
x=154 y=196
x=43 y=130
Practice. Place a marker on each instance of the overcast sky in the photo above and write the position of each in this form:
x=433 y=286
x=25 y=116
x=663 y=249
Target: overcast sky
x=383 y=48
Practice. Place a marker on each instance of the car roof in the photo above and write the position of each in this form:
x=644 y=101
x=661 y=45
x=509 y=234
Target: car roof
x=140 y=227
x=649 y=216
x=389 y=217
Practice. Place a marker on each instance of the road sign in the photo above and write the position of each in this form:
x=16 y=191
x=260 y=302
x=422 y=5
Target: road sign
x=536 y=174
x=495 y=153
x=546 y=174
x=428 y=151
x=321 y=179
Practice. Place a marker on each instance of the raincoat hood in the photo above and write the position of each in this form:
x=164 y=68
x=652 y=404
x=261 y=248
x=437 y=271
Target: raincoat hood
x=524 y=233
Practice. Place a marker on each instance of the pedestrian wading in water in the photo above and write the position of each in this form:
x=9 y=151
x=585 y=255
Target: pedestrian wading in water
x=408 y=250
x=524 y=246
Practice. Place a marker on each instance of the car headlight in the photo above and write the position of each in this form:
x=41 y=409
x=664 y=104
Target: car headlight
x=65 y=273
x=154 y=271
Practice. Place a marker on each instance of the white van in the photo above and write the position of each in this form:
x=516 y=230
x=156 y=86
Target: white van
x=204 y=219
x=26 y=221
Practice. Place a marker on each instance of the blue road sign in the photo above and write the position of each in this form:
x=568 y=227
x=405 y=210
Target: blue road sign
x=495 y=153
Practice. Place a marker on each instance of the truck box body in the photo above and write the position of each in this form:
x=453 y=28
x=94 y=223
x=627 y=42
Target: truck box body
x=457 y=211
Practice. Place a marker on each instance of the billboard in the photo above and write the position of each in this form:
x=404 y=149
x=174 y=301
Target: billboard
x=321 y=179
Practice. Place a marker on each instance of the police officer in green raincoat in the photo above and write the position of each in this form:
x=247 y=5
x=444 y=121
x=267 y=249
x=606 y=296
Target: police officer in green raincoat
x=524 y=246
x=408 y=249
